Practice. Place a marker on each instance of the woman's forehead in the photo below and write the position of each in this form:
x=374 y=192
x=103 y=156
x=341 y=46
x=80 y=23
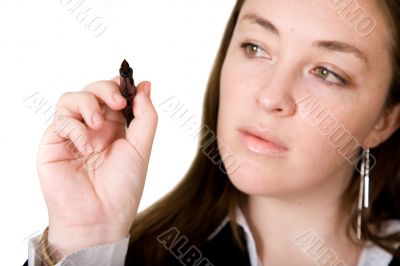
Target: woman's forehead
x=308 y=25
x=361 y=24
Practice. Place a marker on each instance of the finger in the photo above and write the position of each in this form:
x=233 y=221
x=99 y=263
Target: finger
x=108 y=92
x=63 y=129
x=142 y=129
x=81 y=106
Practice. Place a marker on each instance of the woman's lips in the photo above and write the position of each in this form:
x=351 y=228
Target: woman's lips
x=261 y=145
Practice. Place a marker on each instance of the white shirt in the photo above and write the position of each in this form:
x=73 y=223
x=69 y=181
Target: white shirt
x=114 y=253
x=372 y=255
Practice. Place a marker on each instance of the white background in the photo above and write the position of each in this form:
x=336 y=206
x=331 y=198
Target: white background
x=45 y=49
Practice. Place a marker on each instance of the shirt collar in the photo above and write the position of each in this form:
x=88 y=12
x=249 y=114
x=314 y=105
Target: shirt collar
x=250 y=243
x=371 y=253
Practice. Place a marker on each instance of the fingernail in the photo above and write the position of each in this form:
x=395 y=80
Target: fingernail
x=147 y=88
x=89 y=148
x=118 y=97
x=97 y=118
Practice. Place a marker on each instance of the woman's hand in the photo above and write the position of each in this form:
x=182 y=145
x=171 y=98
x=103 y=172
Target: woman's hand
x=91 y=169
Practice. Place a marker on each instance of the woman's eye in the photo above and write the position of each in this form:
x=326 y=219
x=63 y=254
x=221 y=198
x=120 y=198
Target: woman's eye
x=254 y=50
x=329 y=76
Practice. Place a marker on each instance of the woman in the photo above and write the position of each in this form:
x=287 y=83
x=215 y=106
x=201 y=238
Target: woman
x=270 y=177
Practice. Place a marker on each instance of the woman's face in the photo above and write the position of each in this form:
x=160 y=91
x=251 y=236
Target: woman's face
x=281 y=53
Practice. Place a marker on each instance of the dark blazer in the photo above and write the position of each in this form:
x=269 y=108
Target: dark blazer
x=219 y=251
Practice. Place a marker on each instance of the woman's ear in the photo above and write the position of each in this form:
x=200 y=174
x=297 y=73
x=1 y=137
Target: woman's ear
x=387 y=124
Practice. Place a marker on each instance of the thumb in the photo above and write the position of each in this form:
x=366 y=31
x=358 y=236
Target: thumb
x=142 y=128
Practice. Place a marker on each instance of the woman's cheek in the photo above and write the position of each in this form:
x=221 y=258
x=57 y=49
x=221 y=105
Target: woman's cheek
x=333 y=136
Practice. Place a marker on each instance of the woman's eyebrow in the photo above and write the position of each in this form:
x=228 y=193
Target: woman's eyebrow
x=341 y=47
x=264 y=23
x=329 y=45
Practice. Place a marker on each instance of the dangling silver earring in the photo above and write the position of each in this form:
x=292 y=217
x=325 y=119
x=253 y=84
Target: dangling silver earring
x=363 y=197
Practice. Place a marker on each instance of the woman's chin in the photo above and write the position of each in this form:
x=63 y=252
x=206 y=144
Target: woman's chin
x=253 y=183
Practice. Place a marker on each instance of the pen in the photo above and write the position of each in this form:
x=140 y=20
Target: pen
x=127 y=89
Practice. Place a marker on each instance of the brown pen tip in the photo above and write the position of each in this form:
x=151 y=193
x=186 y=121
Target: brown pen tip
x=125 y=69
x=125 y=64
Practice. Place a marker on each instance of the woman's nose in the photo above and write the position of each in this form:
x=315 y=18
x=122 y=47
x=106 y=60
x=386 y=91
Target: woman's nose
x=276 y=95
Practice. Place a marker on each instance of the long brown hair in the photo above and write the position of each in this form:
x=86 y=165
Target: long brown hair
x=385 y=175
x=199 y=203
